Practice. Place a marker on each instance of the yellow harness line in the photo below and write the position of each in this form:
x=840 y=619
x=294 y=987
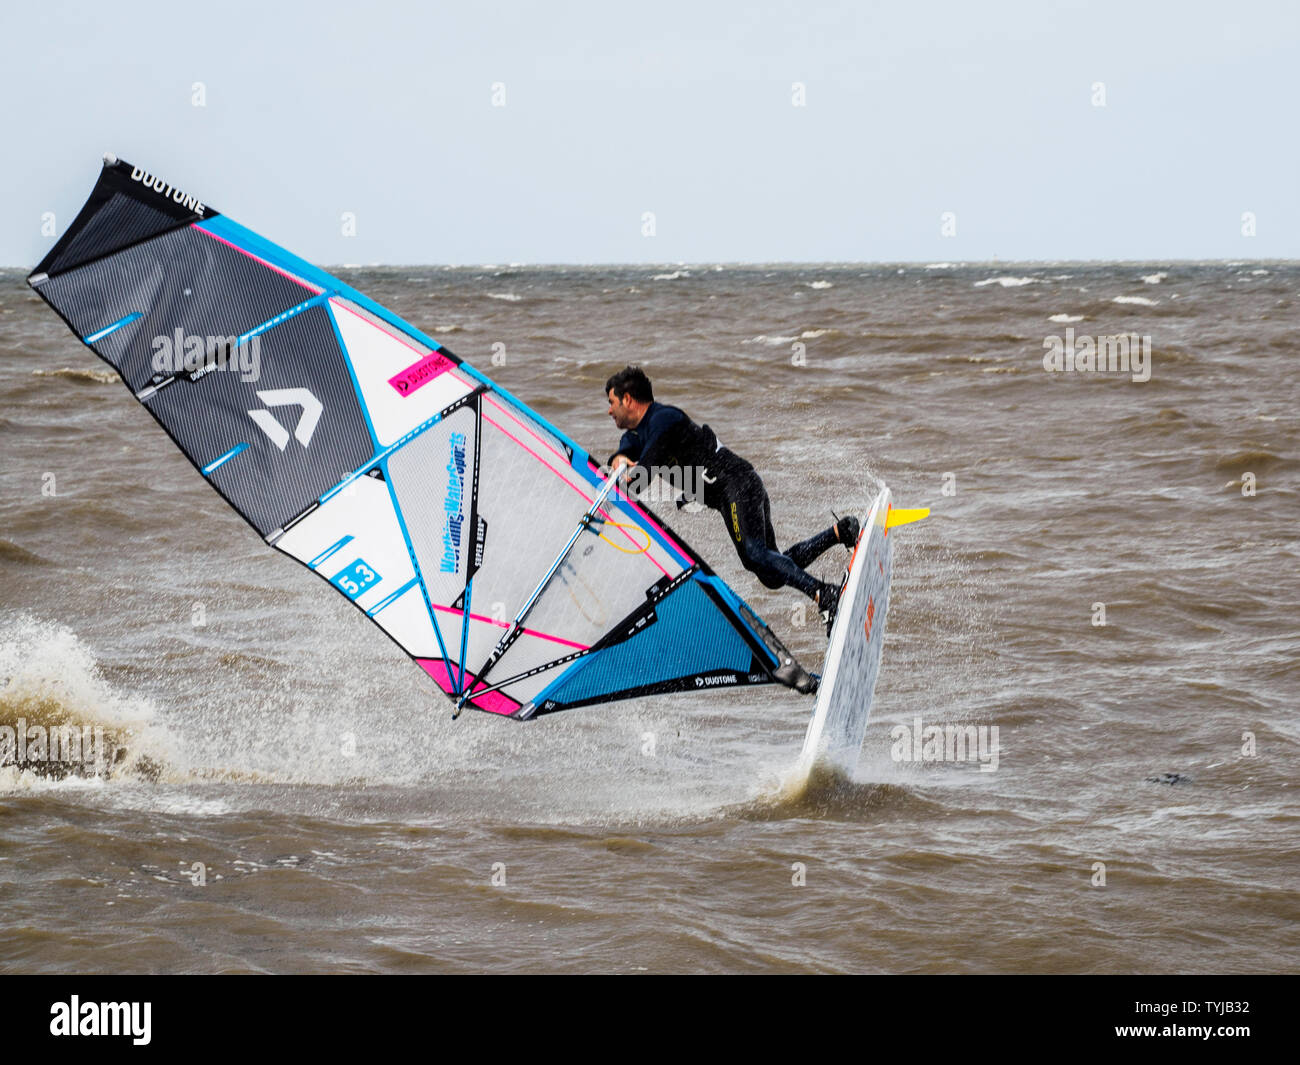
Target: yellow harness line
x=626 y=550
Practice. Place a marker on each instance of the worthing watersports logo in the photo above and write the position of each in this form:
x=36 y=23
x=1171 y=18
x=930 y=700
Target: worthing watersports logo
x=453 y=505
x=102 y=1018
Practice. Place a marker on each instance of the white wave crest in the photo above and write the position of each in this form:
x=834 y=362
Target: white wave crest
x=1007 y=282
x=50 y=680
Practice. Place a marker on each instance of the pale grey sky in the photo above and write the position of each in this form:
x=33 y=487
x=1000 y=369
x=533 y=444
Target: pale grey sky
x=683 y=109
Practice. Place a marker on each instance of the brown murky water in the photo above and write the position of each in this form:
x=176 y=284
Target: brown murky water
x=1162 y=744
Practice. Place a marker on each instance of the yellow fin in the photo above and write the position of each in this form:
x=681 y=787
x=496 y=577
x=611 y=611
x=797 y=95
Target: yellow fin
x=905 y=517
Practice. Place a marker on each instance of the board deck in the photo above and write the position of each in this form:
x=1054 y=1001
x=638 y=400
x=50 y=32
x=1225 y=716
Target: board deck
x=834 y=737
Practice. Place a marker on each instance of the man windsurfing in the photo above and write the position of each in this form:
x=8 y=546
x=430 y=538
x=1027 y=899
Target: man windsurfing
x=659 y=437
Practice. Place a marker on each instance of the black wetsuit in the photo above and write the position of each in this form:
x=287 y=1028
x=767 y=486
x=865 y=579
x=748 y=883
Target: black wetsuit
x=667 y=438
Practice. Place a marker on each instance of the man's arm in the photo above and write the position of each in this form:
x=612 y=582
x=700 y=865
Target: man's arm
x=651 y=440
x=629 y=450
x=661 y=438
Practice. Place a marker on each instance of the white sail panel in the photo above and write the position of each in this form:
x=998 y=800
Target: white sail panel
x=402 y=383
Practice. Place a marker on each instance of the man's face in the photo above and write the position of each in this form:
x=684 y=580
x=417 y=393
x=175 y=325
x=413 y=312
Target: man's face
x=618 y=410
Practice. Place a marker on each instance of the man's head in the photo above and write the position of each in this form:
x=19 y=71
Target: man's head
x=630 y=395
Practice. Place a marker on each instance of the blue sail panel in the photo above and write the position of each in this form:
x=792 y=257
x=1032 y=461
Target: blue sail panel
x=690 y=644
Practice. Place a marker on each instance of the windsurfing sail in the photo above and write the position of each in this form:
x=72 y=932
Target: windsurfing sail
x=479 y=537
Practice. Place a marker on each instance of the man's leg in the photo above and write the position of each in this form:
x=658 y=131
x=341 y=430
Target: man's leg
x=804 y=553
x=747 y=513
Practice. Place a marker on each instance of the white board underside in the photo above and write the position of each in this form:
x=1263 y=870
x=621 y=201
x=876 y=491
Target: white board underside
x=839 y=722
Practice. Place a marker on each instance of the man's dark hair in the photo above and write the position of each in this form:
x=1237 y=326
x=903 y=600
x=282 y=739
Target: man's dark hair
x=631 y=381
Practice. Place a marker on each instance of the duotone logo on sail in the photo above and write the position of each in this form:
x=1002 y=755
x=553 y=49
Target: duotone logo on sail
x=163 y=188
x=288 y=397
x=453 y=505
